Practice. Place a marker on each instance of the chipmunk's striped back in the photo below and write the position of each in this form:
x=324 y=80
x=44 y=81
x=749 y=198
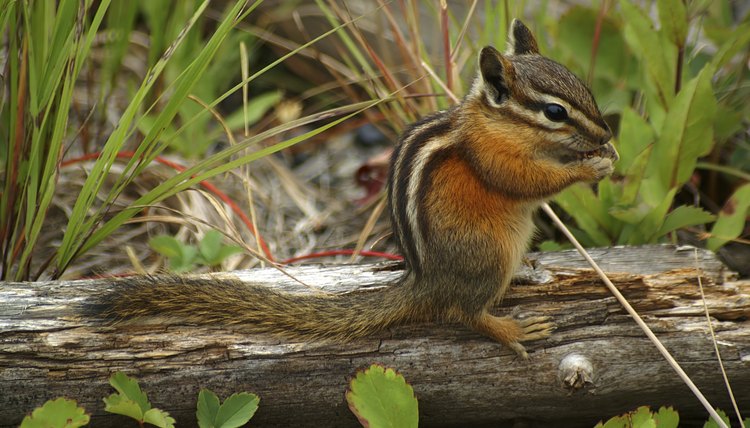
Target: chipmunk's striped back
x=419 y=145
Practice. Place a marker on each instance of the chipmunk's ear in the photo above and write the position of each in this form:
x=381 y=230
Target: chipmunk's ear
x=497 y=74
x=520 y=40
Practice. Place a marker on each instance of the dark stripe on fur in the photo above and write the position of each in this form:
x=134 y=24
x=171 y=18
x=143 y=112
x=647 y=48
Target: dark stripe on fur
x=583 y=130
x=508 y=114
x=594 y=117
x=401 y=170
x=435 y=160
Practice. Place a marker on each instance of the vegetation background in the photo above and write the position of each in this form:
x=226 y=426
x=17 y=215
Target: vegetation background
x=131 y=130
x=151 y=135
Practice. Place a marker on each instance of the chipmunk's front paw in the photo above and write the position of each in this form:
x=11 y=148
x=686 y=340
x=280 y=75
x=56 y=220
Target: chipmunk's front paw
x=602 y=167
x=535 y=328
x=511 y=332
x=601 y=161
x=532 y=328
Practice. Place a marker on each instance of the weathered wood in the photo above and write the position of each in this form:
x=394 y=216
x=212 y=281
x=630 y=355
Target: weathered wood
x=461 y=379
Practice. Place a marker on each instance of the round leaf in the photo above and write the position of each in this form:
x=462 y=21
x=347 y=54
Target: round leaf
x=57 y=413
x=380 y=397
x=237 y=410
x=208 y=407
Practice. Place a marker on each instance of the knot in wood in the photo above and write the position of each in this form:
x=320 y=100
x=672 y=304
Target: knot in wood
x=575 y=372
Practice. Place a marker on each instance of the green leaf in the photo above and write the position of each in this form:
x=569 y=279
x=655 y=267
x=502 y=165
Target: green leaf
x=686 y=135
x=636 y=135
x=647 y=228
x=257 y=107
x=181 y=256
x=224 y=252
x=642 y=418
x=684 y=216
x=159 y=418
x=549 y=245
x=132 y=402
x=631 y=214
x=655 y=52
x=674 y=20
x=185 y=261
x=739 y=40
x=608 y=192
x=576 y=32
x=731 y=219
x=729 y=121
x=213 y=251
x=380 y=397
x=667 y=417
x=615 y=422
x=128 y=388
x=237 y=410
x=58 y=413
x=646 y=218
x=652 y=189
x=121 y=405
x=208 y=408
x=712 y=424
x=166 y=245
x=594 y=220
x=634 y=181
x=210 y=245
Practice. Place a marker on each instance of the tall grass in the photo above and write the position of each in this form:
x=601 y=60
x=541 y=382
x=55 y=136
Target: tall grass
x=678 y=110
x=52 y=43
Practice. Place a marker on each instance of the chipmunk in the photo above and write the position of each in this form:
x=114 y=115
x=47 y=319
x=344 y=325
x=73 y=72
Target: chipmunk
x=463 y=186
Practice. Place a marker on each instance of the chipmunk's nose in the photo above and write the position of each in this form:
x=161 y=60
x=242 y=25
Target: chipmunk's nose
x=604 y=139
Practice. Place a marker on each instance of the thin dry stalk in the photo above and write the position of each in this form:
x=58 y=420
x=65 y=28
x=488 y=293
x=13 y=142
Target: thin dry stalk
x=638 y=320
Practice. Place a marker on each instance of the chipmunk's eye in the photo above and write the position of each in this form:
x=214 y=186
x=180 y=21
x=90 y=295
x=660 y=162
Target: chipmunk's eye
x=555 y=112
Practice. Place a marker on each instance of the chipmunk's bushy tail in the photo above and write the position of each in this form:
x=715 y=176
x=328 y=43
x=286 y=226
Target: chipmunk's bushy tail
x=219 y=301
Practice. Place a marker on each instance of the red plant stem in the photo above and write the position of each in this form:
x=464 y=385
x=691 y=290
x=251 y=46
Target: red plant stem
x=6 y=232
x=595 y=42
x=226 y=199
x=205 y=184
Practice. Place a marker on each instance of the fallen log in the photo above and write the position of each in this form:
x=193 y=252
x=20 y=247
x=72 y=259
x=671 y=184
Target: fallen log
x=597 y=364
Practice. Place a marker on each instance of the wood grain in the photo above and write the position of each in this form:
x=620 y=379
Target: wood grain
x=597 y=364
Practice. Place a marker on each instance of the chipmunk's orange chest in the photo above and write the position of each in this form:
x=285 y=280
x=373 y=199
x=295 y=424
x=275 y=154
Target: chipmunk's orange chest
x=458 y=198
x=459 y=201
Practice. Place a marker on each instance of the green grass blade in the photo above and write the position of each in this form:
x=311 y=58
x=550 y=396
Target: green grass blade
x=208 y=168
x=47 y=146
x=265 y=69
x=150 y=148
x=81 y=224
x=74 y=241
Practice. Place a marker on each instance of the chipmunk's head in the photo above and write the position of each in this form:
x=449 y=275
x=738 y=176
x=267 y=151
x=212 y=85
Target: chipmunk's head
x=526 y=88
